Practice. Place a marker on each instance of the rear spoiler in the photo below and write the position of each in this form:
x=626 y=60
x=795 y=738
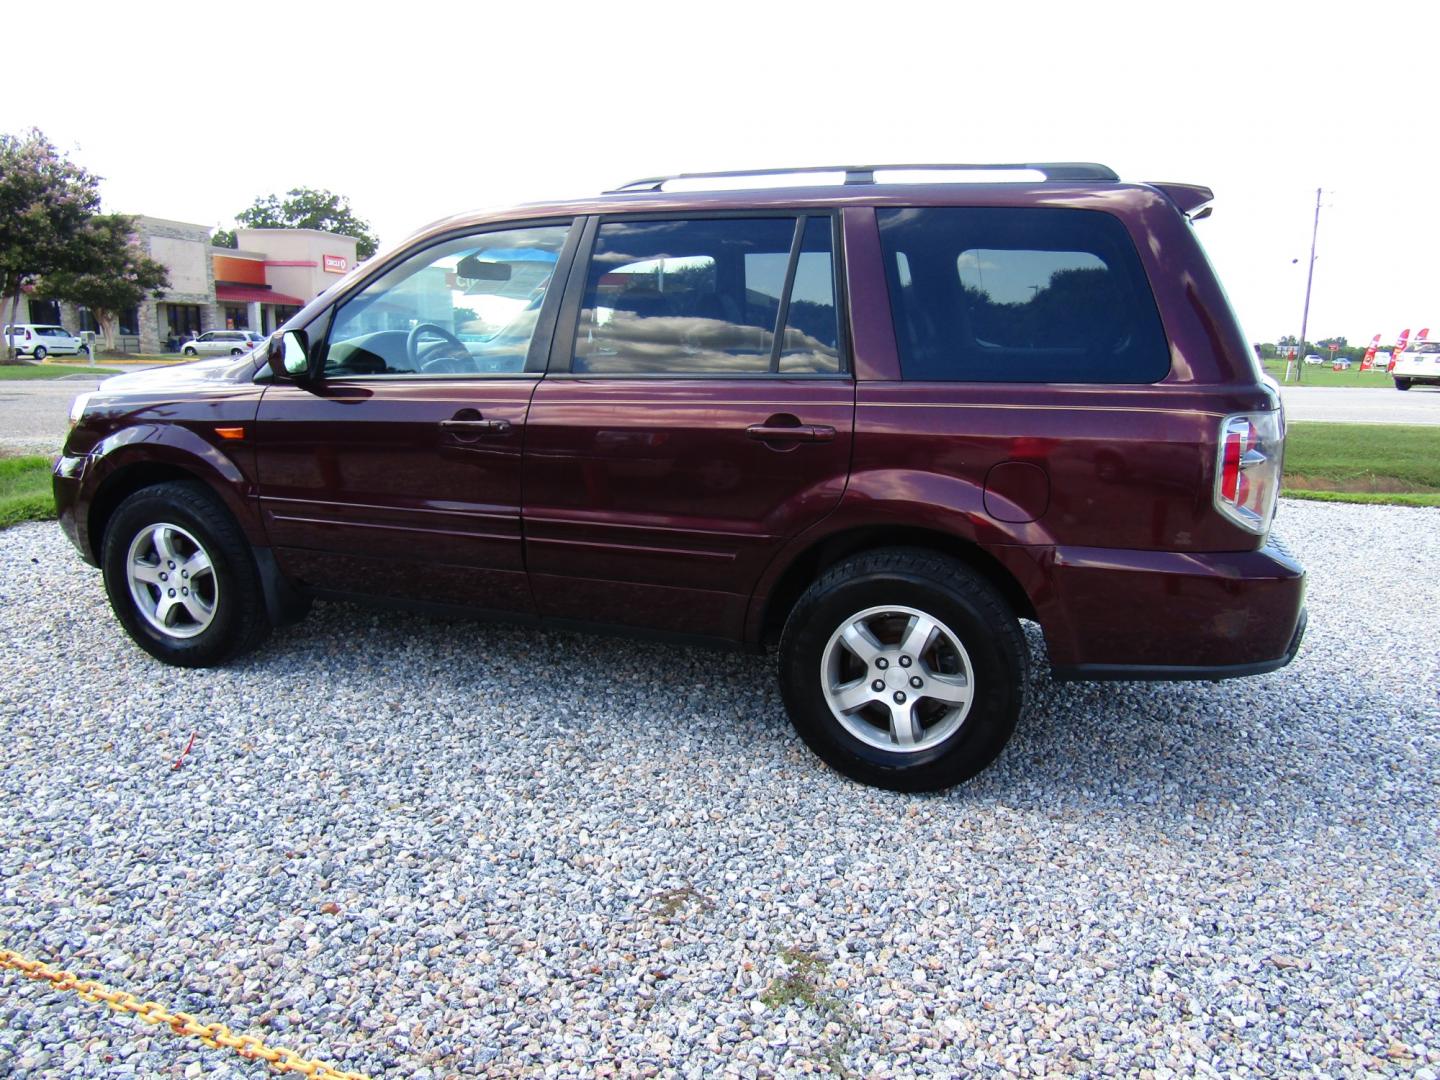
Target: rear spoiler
x=1192 y=199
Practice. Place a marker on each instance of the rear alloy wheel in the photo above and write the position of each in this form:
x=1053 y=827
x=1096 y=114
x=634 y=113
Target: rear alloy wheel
x=40 y=353
x=181 y=577
x=897 y=678
x=903 y=668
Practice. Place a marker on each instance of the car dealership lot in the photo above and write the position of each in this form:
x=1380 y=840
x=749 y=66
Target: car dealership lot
x=404 y=844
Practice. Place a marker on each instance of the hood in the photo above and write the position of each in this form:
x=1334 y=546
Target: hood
x=196 y=375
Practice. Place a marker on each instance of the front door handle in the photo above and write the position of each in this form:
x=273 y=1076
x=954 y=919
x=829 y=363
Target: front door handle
x=791 y=432
x=476 y=427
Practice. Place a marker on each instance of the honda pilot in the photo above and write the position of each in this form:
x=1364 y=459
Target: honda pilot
x=866 y=419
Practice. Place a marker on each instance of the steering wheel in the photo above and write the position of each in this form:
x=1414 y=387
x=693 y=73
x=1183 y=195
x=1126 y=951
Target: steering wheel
x=426 y=358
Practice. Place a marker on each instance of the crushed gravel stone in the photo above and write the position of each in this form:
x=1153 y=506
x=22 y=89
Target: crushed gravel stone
x=436 y=848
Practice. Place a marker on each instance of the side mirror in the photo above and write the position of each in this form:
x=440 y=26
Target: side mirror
x=287 y=355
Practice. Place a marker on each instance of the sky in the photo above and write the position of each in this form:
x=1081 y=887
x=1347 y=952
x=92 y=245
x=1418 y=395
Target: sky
x=192 y=111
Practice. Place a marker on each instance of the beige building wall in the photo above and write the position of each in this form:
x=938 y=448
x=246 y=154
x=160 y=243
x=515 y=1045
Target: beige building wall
x=296 y=259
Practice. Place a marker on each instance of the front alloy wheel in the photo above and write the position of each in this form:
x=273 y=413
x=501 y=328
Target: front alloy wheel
x=181 y=576
x=172 y=580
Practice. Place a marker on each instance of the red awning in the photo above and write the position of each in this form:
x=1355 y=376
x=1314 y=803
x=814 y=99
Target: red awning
x=241 y=294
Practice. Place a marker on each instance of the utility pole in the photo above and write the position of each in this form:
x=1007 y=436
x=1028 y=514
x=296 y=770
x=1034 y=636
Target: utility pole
x=1309 y=280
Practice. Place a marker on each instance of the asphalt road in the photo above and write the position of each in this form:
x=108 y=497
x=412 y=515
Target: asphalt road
x=33 y=415
x=1362 y=404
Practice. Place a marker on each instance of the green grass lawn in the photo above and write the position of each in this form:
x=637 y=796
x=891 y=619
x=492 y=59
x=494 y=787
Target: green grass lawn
x=1325 y=375
x=15 y=372
x=1371 y=463
x=25 y=493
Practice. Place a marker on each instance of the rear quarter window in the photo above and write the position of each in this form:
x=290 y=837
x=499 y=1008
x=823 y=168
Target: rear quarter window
x=1042 y=294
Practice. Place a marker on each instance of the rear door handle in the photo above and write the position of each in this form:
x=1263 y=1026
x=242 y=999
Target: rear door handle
x=791 y=432
x=477 y=427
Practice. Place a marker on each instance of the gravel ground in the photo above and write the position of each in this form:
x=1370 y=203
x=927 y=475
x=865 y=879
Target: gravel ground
x=432 y=849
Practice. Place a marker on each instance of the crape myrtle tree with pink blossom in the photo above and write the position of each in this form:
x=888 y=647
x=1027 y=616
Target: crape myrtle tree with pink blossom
x=47 y=203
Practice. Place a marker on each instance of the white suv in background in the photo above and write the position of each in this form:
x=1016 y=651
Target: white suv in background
x=44 y=339
x=222 y=342
x=1418 y=365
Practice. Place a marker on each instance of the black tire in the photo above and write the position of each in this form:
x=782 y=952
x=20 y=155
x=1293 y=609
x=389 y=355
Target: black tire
x=236 y=352
x=1402 y=384
x=944 y=589
x=40 y=353
x=238 y=622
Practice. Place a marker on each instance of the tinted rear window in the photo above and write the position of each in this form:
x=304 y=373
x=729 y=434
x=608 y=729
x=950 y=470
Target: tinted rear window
x=989 y=294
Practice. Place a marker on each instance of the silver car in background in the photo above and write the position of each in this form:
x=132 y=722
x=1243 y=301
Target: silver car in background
x=221 y=342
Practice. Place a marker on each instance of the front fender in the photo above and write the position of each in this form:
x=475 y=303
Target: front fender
x=161 y=449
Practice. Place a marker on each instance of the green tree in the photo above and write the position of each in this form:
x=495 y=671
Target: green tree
x=46 y=201
x=306 y=208
x=117 y=274
x=224 y=238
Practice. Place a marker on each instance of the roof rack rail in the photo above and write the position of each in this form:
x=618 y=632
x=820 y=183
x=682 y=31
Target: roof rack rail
x=1053 y=171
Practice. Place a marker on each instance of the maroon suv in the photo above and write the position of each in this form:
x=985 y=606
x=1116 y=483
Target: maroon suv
x=871 y=424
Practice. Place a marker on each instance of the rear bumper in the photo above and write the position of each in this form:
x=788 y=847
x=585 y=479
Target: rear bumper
x=1174 y=672
x=1167 y=615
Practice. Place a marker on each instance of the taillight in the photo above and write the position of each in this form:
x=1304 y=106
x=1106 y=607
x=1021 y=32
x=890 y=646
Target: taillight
x=1247 y=477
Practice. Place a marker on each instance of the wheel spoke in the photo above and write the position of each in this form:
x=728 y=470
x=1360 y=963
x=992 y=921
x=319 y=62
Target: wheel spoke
x=197 y=564
x=917 y=636
x=903 y=727
x=852 y=696
x=164 y=544
x=165 y=610
x=951 y=689
x=145 y=572
x=860 y=641
x=196 y=608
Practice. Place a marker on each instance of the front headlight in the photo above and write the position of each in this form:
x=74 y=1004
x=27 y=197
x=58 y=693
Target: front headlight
x=77 y=408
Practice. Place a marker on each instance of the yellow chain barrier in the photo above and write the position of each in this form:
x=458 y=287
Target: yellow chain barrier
x=215 y=1036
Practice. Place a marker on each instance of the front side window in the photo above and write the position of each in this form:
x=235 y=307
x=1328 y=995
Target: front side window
x=710 y=296
x=1020 y=295
x=464 y=307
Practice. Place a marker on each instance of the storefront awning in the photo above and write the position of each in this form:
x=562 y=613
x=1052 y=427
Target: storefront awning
x=240 y=294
